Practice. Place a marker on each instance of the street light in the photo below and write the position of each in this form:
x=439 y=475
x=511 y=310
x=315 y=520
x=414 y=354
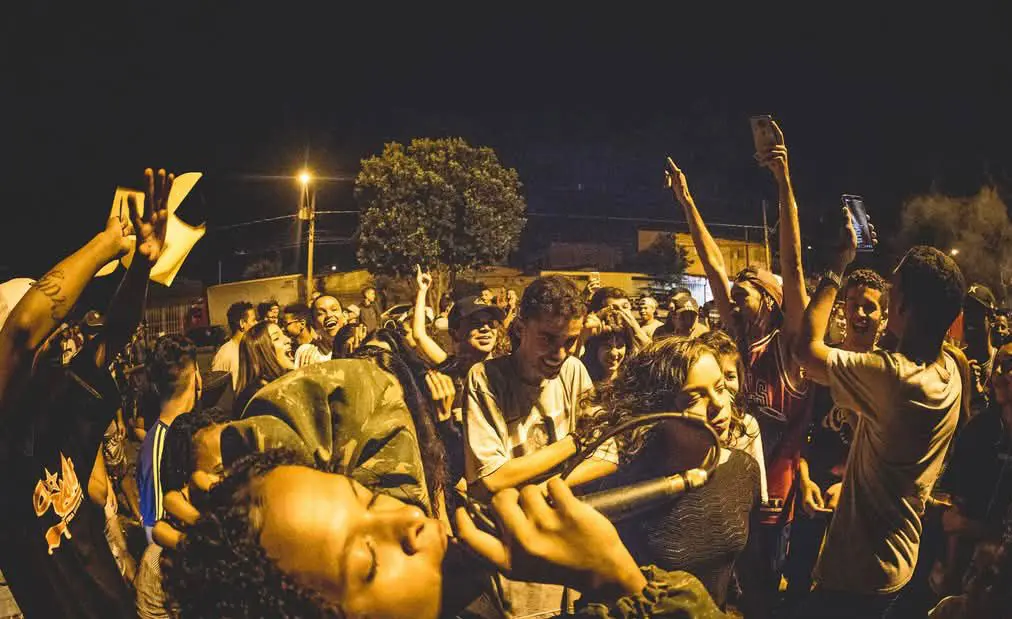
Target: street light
x=307 y=210
x=953 y=252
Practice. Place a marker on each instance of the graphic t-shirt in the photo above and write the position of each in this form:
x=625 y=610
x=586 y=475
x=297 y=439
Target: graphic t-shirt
x=53 y=548
x=782 y=410
x=908 y=414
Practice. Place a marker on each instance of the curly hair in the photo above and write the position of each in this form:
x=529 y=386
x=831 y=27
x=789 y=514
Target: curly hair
x=933 y=289
x=649 y=381
x=221 y=569
x=552 y=295
x=179 y=458
x=725 y=347
x=871 y=280
x=265 y=308
x=235 y=314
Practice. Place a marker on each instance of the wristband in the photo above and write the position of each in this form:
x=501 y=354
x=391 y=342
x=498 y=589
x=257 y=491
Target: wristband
x=832 y=277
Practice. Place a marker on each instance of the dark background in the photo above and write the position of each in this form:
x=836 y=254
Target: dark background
x=887 y=103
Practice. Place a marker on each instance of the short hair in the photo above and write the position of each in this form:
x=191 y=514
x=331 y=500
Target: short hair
x=264 y=308
x=933 y=289
x=871 y=280
x=236 y=312
x=171 y=356
x=300 y=310
x=179 y=458
x=222 y=570
x=367 y=289
x=649 y=299
x=603 y=294
x=552 y=295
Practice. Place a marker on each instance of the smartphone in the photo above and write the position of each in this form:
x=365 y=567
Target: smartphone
x=859 y=219
x=763 y=134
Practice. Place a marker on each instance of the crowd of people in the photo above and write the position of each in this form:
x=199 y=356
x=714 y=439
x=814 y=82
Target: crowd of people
x=849 y=451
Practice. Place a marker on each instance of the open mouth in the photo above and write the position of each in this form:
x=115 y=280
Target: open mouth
x=330 y=323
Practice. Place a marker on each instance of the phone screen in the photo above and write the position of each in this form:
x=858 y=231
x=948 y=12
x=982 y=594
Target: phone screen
x=859 y=219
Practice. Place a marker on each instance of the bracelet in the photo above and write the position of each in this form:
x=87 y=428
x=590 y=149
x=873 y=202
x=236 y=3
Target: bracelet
x=832 y=277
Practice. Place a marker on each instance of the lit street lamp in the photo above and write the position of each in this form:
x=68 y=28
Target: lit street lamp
x=954 y=252
x=307 y=211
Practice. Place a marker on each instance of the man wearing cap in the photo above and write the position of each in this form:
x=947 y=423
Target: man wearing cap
x=978 y=319
x=764 y=316
x=648 y=315
x=683 y=318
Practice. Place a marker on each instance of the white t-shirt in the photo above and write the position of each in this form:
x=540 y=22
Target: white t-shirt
x=907 y=416
x=227 y=360
x=308 y=354
x=752 y=444
x=505 y=418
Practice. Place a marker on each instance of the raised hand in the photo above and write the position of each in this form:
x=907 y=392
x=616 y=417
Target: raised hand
x=674 y=178
x=150 y=229
x=423 y=279
x=566 y=542
x=775 y=159
x=118 y=231
x=846 y=246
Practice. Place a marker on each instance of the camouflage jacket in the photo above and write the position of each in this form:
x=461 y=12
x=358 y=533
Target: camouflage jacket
x=668 y=595
x=347 y=412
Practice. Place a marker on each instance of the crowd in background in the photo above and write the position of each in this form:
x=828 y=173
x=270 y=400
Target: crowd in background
x=855 y=449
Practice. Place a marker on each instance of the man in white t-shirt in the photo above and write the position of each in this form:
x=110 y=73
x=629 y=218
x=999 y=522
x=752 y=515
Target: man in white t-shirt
x=240 y=318
x=520 y=412
x=908 y=406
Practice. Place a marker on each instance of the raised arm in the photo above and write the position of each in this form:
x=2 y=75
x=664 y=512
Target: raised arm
x=810 y=348
x=795 y=295
x=127 y=306
x=49 y=300
x=428 y=346
x=706 y=247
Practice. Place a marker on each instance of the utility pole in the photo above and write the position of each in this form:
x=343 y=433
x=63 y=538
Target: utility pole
x=766 y=240
x=307 y=211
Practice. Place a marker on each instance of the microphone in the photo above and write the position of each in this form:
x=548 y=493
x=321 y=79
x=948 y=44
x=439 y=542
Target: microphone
x=616 y=504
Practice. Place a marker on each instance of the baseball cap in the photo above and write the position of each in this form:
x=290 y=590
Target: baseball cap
x=469 y=306
x=684 y=302
x=983 y=295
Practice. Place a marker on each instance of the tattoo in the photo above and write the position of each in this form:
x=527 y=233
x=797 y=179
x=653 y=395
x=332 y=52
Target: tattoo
x=51 y=285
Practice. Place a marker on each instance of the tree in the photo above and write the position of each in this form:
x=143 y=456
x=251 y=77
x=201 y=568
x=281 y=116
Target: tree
x=439 y=203
x=977 y=227
x=269 y=266
x=664 y=261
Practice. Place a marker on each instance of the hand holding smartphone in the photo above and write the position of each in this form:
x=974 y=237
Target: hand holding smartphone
x=765 y=133
x=859 y=219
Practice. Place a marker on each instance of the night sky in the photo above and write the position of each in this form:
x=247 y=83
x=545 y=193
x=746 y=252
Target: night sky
x=585 y=106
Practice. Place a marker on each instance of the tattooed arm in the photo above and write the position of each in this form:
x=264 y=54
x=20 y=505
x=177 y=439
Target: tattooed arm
x=48 y=301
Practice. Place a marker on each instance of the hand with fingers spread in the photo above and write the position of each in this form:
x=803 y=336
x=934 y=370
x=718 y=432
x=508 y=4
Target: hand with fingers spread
x=423 y=279
x=150 y=228
x=566 y=542
x=443 y=393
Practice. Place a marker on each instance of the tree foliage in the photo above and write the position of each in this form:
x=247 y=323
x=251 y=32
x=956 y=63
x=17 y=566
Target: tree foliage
x=977 y=226
x=664 y=260
x=269 y=266
x=439 y=203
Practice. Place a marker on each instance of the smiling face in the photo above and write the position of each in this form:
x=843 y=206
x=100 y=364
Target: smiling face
x=478 y=333
x=280 y=343
x=610 y=354
x=705 y=395
x=370 y=554
x=328 y=317
x=545 y=342
x=274 y=313
x=863 y=310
